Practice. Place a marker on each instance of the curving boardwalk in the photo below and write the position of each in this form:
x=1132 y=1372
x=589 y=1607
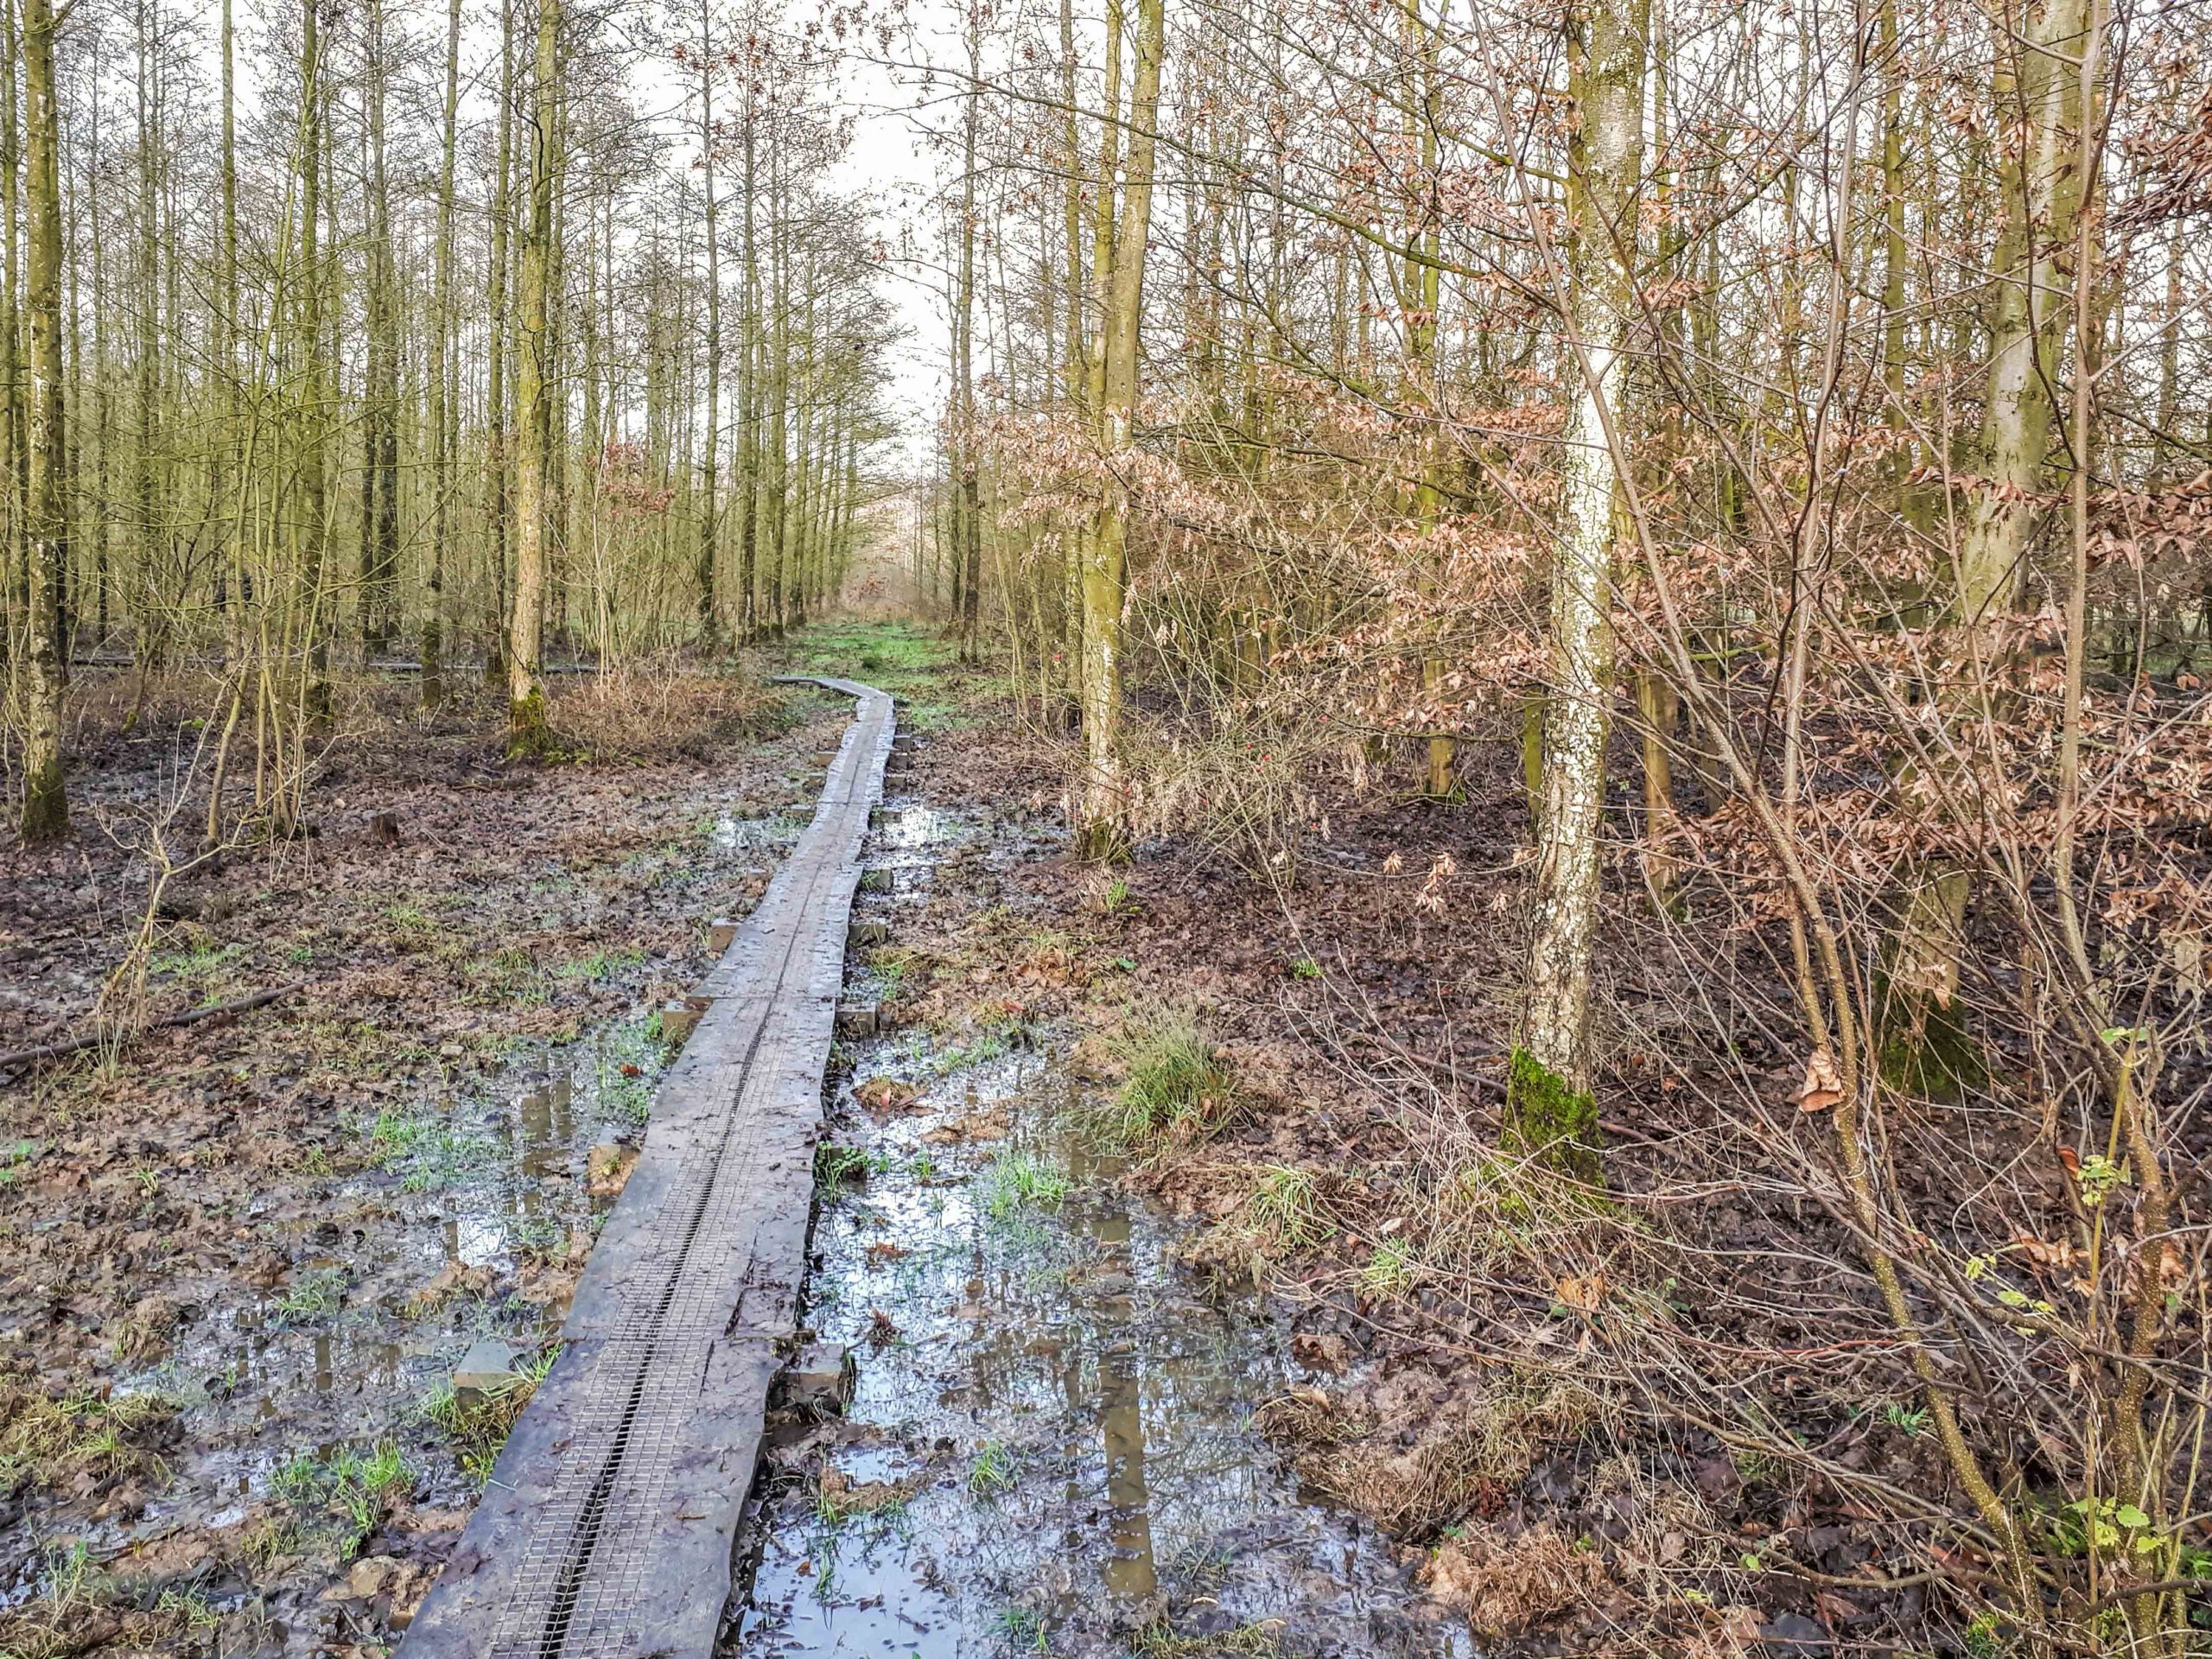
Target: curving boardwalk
x=606 y=1530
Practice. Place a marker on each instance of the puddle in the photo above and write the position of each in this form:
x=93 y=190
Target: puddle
x=277 y=1266
x=758 y=838
x=1050 y=1447
x=336 y=1354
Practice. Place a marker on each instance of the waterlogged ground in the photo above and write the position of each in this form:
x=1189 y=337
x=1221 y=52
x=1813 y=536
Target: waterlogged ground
x=1050 y=1445
x=239 y=1263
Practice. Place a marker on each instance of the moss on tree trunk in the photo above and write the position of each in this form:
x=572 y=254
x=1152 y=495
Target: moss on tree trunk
x=529 y=737
x=1549 y=1120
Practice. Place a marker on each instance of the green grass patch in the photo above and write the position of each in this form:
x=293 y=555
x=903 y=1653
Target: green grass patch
x=315 y=1294
x=892 y=966
x=838 y=1167
x=910 y=662
x=198 y=964
x=48 y=1438
x=1390 y=1270
x=1174 y=1087
x=16 y=1161
x=1284 y=1213
x=1022 y=1630
x=994 y=1470
x=600 y=965
x=1161 y=1641
x=424 y=1150
x=631 y=1057
x=1018 y=1180
x=478 y=1422
x=331 y=1506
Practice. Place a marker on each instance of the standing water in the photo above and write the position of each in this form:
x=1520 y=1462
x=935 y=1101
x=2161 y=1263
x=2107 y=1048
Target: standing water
x=1049 y=1446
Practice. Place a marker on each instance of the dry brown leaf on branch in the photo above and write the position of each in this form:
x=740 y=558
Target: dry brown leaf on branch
x=2046 y=1256
x=1821 y=1088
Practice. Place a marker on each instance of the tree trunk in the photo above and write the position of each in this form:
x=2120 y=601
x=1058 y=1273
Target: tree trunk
x=1551 y=1110
x=45 y=805
x=1102 y=826
x=2040 y=188
x=499 y=451
x=441 y=401
x=1922 y=1041
x=711 y=438
x=318 y=385
x=970 y=549
x=527 y=731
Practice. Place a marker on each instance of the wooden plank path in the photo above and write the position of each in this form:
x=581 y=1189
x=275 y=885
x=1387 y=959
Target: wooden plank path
x=607 y=1529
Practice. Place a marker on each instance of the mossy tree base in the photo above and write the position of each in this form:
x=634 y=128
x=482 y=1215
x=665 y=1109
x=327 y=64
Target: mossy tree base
x=1551 y=1121
x=1103 y=842
x=529 y=738
x=1925 y=1047
x=46 y=804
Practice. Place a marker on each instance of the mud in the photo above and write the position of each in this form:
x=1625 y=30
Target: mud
x=242 y=1262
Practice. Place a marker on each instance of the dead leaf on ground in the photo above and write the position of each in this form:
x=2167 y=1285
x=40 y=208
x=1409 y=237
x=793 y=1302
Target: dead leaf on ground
x=885 y=1094
x=1581 y=1294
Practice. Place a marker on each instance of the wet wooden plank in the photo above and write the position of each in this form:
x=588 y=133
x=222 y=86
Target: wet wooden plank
x=608 y=1528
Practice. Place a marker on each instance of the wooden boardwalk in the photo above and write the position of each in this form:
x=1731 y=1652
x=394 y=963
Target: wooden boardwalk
x=607 y=1529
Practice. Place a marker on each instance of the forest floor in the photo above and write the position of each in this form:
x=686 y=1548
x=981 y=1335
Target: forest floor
x=1303 y=1062
x=244 y=1257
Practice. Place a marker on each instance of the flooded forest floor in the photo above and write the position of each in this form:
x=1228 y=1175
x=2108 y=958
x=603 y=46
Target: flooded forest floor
x=1164 y=1337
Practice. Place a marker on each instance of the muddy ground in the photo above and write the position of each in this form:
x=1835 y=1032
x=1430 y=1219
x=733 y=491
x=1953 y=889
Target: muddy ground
x=244 y=1258
x=1460 y=1364
x=1054 y=1438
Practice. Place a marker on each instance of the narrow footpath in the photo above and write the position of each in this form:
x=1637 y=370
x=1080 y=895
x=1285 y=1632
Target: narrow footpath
x=608 y=1526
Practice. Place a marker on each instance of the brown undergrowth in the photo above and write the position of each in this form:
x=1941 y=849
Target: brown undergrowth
x=1687 y=1383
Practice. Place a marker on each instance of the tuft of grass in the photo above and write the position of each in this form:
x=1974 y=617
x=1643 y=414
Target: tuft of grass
x=70 y=1584
x=1390 y=1270
x=1022 y=1630
x=1159 y=1640
x=478 y=1423
x=510 y=974
x=838 y=1498
x=199 y=964
x=424 y=1150
x=190 y=1606
x=1176 y=1087
x=50 y=1437
x=315 y=1294
x=411 y=927
x=334 y=1505
x=598 y=965
x=1018 y=1180
x=893 y=965
x=994 y=1470
x=837 y=1167
x=1284 y=1213
x=627 y=1067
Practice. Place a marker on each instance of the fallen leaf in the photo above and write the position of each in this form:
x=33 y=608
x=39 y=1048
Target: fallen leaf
x=1821 y=1088
x=1582 y=1294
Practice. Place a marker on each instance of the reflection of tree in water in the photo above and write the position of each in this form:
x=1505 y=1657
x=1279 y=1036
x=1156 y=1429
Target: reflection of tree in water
x=1065 y=1339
